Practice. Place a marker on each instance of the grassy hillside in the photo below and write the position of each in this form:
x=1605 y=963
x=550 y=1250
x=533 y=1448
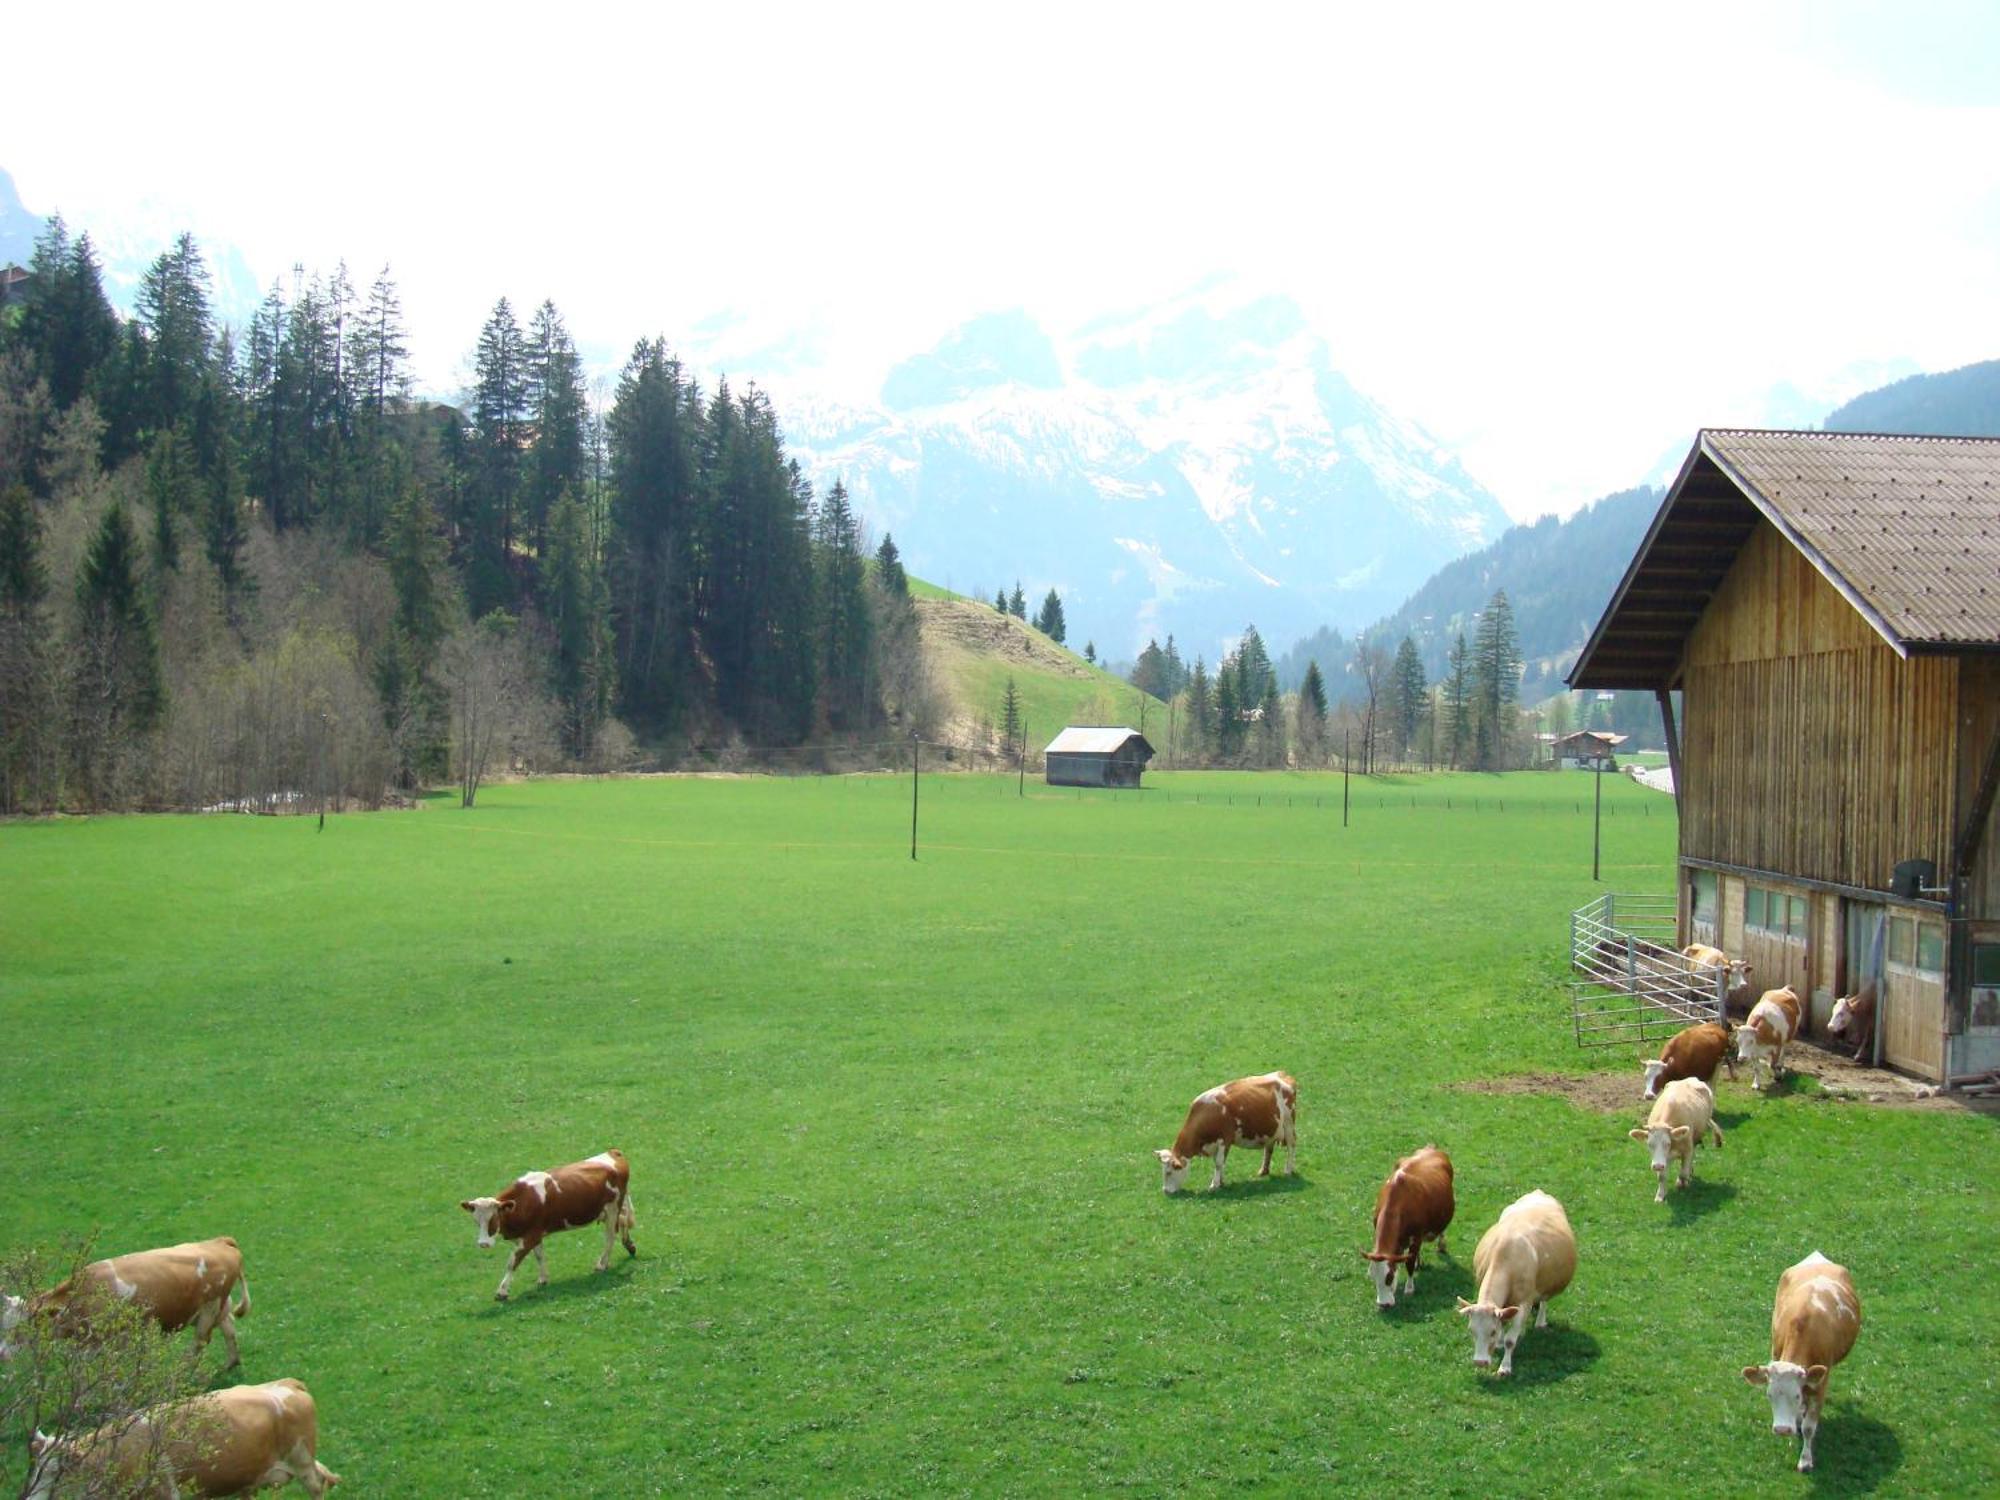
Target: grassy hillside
x=974 y=650
x=891 y=1127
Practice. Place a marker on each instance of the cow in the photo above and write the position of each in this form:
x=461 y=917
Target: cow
x=1853 y=1019
x=228 y=1442
x=1814 y=1324
x=1701 y=957
x=539 y=1204
x=178 y=1285
x=1695 y=1052
x=1260 y=1111
x=1682 y=1115
x=1415 y=1205
x=1527 y=1257
x=1760 y=1041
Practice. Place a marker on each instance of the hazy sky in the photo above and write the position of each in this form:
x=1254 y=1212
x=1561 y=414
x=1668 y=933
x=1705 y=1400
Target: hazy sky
x=1559 y=236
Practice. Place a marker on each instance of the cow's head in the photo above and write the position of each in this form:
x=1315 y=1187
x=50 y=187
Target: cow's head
x=486 y=1214
x=1382 y=1270
x=1491 y=1326
x=1653 y=1067
x=1660 y=1142
x=1789 y=1386
x=1174 y=1170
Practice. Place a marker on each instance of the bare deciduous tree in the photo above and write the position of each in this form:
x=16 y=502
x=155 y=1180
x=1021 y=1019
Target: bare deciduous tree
x=499 y=710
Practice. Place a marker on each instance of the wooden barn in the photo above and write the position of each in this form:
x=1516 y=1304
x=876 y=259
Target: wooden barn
x=1586 y=750
x=1097 y=755
x=1827 y=607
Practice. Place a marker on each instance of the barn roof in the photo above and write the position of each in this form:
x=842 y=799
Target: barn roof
x=1095 y=739
x=1906 y=528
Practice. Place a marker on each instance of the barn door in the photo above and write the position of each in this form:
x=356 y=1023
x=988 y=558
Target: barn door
x=1862 y=954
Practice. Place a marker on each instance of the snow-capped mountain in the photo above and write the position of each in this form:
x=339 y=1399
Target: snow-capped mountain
x=1191 y=469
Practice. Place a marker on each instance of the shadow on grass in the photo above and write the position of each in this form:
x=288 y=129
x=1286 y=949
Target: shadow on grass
x=1730 y=1120
x=525 y=1295
x=1439 y=1286
x=1544 y=1356
x=1698 y=1199
x=1244 y=1190
x=1853 y=1455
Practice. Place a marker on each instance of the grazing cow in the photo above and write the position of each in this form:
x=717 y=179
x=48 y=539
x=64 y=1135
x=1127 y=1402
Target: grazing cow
x=1853 y=1019
x=1415 y=1205
x=178 y=1285
x=1760 y=1041
x=1693 y=1053
x=1260 y=1111
x=1682 y=1115
x=227 y=1442
x=540 y=1204
x=1527 y=1257
x=1814 y=1323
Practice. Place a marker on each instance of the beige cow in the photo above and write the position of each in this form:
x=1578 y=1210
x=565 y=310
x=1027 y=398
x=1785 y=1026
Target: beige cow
x=1814 y=1323
x=1682 y=1115
x=1527 y=1257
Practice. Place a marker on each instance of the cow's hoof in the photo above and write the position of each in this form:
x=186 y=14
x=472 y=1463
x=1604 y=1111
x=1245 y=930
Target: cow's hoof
x=632 y=1250
x=499 y=1296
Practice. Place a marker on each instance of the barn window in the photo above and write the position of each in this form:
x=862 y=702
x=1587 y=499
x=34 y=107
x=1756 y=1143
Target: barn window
x=1986 y=965
x=1704 y=896
x=1930 y=947
x=1753 y=907
x=1902 y=941
x=1795 y=921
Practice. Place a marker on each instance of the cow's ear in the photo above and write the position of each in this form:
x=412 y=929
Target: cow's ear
x=1637 y=1135
x=466 y=1204
x=1815 y=1377
x=1464 y=1307
x=1681 y=1132
x=1757 y=1374
x=1508 y=1314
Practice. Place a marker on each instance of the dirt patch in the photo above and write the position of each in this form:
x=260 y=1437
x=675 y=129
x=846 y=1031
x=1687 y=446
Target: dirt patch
x=958 y=624
x=1836 y=1076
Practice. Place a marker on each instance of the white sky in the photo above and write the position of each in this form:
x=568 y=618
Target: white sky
x=1560 y=236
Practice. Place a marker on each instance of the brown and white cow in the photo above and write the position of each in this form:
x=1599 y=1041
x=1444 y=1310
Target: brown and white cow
x=178 y=1285
x=540 y=1204
x=1414 y=1205
x=1260 y=1111
x=1682 y=1115
x=1704 y=957
x=1527 y=1257
x=1761 y=1040
x=1695 y=1052
x=1814 y=1323
x=1853 y=1019
x=228 y=1442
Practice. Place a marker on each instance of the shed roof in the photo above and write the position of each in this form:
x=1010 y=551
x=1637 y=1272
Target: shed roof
x=1095 y=739
x=1906 y=528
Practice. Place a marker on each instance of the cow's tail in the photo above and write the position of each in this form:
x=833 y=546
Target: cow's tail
x=242 y=1307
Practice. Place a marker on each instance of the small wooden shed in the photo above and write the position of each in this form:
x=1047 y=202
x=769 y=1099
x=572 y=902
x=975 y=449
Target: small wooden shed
x=1827 y=605
x=1097 y=755
x=1587 y=749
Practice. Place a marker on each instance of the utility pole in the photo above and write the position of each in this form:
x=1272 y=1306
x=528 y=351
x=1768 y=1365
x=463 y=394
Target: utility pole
x=916 y=763
x=1344 y=732
x=1597 y=819
x=1022 y=755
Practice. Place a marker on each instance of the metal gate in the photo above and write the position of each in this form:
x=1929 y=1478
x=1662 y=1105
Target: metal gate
x=1633 y=985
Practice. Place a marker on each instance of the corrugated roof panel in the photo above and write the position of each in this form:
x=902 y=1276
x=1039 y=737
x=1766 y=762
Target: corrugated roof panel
x=1094 y=739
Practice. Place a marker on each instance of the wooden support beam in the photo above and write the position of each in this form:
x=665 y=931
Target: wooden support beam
x=1666 y=701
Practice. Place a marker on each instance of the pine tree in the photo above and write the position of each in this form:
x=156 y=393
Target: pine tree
x=67 y=324
x=172 y=310
x=845 y=622
x=118 y=690
x=654 y=439
x=1176 y=669
x=1149 y=672
x=1311 y=713
x=1497 y=680
x=889 y=569
x=1407 y=691
x=499 y=429
x=223 y=533
x=1253 y=668
x=1199 y=733
x=413 y=703
x=1228 y=710
x=557 y=406
x=171 y=490
x=1018 y=605
x=1000 y=603
x=26 y=716
x=577 y=603
x=1050 y=621
x=1090 y=652
x=1010 y=719
x=1458 y=700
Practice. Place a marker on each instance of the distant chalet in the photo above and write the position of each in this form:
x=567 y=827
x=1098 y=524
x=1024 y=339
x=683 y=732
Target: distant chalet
x=1097 y=755
x=1827 y=604
x=1587 y=750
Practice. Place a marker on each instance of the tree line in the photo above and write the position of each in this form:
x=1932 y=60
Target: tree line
x=1386 y=712
x=244 y=566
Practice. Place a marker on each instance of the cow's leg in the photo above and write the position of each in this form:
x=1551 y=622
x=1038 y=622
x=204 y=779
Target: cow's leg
x=1269 y=1146
x=610 y=1217
x=625 y=1223
x=541 y=1264
x=513 y=1262
x=1716 y=1131
x=205 y=1319
x=1221 y=1155
x=1542 y=1313
x=1808 y=1426
x=226 y=1321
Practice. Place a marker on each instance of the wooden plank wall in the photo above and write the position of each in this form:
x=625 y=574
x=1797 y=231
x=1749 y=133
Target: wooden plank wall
x=1810 y=747
x=1978 y=721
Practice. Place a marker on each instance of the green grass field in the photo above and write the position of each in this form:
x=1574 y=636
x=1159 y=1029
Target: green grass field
x=891 y=1127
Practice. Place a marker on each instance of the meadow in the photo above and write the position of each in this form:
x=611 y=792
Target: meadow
x=891 y=1126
